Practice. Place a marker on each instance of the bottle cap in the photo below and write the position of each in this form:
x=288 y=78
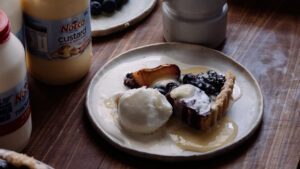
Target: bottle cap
x=4 y=27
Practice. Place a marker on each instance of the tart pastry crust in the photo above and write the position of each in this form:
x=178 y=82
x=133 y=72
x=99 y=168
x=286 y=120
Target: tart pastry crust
x=220 y=105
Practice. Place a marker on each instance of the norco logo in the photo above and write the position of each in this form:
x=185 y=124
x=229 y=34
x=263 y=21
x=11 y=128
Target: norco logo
x=73 y=26
x=21 y=95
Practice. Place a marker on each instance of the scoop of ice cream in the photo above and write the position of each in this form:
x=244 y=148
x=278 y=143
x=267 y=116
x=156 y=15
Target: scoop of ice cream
x=143 y=110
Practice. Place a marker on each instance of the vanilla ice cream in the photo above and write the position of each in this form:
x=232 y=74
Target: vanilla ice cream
x=143 y=110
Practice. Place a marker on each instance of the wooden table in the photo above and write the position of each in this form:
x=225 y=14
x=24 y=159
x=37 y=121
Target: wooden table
x=263 y=35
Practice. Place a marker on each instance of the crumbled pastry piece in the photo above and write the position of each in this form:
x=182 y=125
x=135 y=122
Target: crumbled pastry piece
x=143 y=110
x=16 y=160
x=146 y=77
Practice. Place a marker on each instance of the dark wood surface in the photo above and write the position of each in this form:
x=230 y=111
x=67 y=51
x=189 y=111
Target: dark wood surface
x=263 y=35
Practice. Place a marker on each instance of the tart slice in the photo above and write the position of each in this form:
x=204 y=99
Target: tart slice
x=197 y=100
x=14 y=160
x=198 y=108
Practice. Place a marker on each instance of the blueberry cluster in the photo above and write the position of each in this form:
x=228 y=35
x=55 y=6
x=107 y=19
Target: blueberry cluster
x=108 y=6
x=211 y=82
x=166 y=89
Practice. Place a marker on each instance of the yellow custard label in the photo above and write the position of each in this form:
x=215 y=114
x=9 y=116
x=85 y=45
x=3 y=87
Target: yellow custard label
x=58 y=39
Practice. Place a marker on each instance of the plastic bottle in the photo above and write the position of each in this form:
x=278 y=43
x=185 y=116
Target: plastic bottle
x=13 y=9
x=58 y=39
x=15 y=114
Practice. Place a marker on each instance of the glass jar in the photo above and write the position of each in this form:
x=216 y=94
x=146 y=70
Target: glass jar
x=195 y=21
x=58 y=39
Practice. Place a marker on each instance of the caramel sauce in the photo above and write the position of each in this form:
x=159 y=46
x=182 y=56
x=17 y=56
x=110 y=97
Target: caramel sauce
x=236 y=93
x=196 y=70
x=110 y=103
x=190 y=139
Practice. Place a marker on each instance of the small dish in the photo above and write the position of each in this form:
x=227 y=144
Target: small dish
x=131 y=13
x=246 y=112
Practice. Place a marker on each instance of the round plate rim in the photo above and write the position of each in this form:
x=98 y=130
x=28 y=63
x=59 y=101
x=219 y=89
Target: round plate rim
x=122 y=26
x=168 y=158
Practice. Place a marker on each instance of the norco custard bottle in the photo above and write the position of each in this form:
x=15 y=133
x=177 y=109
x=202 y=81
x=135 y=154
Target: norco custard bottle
x=58 y=39
x=15 y=116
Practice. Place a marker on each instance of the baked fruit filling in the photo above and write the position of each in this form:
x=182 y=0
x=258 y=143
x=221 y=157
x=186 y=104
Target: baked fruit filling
x=197 y=100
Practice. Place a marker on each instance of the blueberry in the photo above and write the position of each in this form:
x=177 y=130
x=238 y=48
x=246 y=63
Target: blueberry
x=109 y=5
x=214 y=82
x=170 y=86
x=190 y=79
x=200 y=75
x=161 y=89
x=209 y=89
x=96 y=7
x=200 y=84
x=211 y=73
x=215 y=79
x=187 y=78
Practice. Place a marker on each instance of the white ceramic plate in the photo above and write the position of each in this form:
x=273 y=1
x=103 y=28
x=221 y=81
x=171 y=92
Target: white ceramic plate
x=131 y=13
x=246 y=112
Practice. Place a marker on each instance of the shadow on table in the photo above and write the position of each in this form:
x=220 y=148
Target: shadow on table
x=279 y=6
x=46 y=98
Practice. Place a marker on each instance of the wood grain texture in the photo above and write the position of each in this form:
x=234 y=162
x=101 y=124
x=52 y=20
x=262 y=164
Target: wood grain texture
x=263 y=35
